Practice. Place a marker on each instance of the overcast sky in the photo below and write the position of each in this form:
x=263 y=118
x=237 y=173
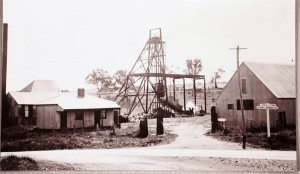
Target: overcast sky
x=63 y=40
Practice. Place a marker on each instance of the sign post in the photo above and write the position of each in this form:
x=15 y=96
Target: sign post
x=268 y=107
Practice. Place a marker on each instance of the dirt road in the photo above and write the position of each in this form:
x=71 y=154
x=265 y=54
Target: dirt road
x=191 y=134
x=191 y=150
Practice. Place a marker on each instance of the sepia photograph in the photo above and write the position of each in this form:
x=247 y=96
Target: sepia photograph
x=149 y=85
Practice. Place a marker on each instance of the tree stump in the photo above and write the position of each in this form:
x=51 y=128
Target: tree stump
x=143 y=133
x=159 y=122
x=214 y=119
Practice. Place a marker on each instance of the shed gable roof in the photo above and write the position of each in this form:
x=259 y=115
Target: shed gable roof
x=278 y=78
x=41 y=86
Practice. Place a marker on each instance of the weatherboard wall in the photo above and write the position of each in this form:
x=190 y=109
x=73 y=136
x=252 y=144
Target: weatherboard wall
x=288 y=106
x=88 y=119
x=109 y=121
x=72 y=122
x=47 y=117
x=257 y=91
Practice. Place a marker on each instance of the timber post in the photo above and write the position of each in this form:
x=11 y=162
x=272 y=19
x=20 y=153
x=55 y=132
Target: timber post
x=297 y=29
x=184 y=104
x=4 y=72
x=159 y=122
x=195 y=94
x=1 y=60
x=204 y=96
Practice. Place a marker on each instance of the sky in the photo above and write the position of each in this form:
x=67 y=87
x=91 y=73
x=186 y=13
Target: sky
x=64 y=40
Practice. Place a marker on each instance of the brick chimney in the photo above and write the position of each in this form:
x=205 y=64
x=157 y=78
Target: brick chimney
x=80 y=93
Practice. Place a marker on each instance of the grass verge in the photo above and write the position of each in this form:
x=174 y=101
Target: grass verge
x=22 y=139
x=284 y=139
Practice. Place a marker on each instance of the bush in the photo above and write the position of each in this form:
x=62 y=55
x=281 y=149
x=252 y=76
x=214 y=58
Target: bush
x=15 y=132
x=18 y=163
x=284 y=136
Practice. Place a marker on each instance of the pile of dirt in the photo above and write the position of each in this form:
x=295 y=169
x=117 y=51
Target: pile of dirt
x=18 y=163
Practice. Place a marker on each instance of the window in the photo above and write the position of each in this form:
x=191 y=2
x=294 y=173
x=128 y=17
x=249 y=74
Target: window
x=79 y=115
x=244 y=89
x=103 y=114
x=230 y=106
x=34 y=111
x=248 y=104
x=26 y=109
x=20 y=111
x=100 y=114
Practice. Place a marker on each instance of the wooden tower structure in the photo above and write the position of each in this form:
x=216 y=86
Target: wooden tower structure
x=146 y=83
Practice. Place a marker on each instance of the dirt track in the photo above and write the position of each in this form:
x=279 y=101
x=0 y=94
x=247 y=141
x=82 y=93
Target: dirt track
x=191 y=134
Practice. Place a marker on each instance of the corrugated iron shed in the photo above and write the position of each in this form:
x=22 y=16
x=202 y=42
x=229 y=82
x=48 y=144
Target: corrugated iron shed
x=41 y=86
x=66 y=101
x=278 y=78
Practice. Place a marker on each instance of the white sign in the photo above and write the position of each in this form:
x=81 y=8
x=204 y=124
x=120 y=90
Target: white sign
x=268 y=107
x=273 y=108
x=261 y=107
x=264 y=104
x=272 y=105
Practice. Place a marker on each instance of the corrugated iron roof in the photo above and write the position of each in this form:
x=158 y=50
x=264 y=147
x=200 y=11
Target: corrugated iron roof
x=41 y=86
x=71 y=101
x=278 y=78
x=33 y=98
x=64 y=99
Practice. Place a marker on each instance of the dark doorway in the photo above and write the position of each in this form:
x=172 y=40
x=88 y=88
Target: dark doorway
x=97 y=118
x=282 y=118
x=116 y=117
x=63 y=120
x=31 y=116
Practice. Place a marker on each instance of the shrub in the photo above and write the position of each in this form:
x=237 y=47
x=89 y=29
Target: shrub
x=282 y=136
x=16 y=132
x=18 y=163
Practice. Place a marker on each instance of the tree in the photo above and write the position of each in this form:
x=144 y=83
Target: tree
x=216 y=76
x=194 y=66
x=119 y=77
x=100 y=78
x=172 y=69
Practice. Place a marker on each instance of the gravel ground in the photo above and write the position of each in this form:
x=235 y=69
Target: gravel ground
x=235 y=164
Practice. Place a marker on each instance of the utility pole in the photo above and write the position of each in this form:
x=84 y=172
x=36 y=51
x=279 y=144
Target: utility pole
x=1 y=61
x=297 y=29
x=4 y=69
x=241 y=96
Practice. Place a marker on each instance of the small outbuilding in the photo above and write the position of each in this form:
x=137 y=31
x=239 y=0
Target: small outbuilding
x=59 y=110
x=260 y=83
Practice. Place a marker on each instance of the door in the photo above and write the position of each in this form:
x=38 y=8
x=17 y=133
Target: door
x=116 y=117
x=282 y=118
x=63 y=120
x=97 y=118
